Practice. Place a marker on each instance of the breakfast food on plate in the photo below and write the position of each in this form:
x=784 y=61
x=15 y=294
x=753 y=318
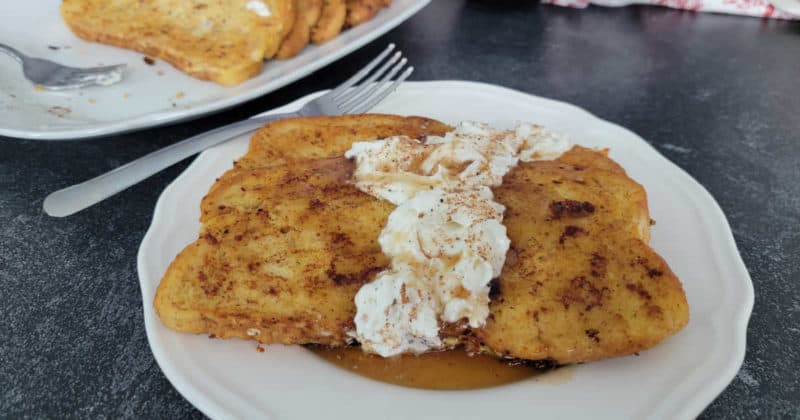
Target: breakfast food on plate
x=307 y=13
x=360 y=11
x=330 y=22
x=210 y=291
x=580 y=282
x=225 y=41
x=406 y=235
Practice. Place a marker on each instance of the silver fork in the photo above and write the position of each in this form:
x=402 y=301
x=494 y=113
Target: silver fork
x=54 y=76
x=344 y=99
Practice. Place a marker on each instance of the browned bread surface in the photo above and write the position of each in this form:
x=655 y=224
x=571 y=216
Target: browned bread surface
x=330 y=22
x=307 y=13
x=286 y=243
x=360 y=11
x=580 y=282
x=218 y=40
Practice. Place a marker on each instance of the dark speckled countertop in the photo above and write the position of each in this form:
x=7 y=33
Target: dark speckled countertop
x=716 y=94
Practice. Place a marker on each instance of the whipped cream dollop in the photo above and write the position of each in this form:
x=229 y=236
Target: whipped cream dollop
x=258 y=7
x=445 y=238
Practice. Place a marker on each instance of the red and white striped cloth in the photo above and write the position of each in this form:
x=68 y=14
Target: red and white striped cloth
x=776 y=9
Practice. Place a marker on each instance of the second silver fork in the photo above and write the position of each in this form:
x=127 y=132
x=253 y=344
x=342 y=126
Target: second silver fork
x=373 y=86
x=54 y=76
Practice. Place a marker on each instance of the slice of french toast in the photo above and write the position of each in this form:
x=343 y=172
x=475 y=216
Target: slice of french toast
x=225 y=41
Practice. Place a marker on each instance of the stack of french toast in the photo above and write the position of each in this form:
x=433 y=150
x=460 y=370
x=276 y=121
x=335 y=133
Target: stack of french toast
x=225 y=41
x=287 y=241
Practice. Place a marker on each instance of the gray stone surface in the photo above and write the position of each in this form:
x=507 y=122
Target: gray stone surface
x=716 y=94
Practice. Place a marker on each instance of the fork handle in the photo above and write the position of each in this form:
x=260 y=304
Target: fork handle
x=73 y=199
x=12 y=52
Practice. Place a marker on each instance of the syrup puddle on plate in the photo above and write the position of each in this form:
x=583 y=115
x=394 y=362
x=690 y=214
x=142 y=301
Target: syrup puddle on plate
x=447 y=370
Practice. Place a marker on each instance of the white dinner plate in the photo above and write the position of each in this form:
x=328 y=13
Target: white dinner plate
x=150 y=95
x=674 y=380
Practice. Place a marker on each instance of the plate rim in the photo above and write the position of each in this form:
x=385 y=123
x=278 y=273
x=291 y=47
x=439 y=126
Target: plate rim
x=694 y=403
x=167 y=116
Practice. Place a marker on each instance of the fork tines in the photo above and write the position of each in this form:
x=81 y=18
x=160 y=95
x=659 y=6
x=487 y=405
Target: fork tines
x=372 y=87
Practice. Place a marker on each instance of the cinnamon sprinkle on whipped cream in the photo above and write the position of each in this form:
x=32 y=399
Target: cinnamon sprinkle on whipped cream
x=445 y=238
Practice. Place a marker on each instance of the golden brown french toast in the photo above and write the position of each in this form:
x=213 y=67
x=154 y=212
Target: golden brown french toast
x=307 y=13
x=360 y=11
x=220 y=40
x=286 y=243
x=281 y=252
x=330 y=22
x=580 y=282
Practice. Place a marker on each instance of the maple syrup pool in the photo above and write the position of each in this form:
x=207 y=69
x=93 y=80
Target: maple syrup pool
x=446 y=370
